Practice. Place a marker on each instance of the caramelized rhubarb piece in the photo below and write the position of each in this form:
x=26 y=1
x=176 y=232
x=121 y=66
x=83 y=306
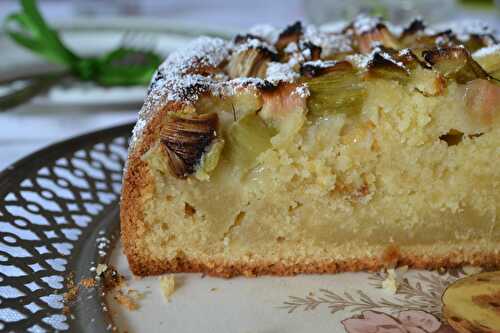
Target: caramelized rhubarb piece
x=404 y=66
x=409 y=59
x=291 y=34
x=285 y=110
x=301 y=51
x=410 y=34
x=378 y=35
x=338 y=88
x=415 y=38
x=312 y=49
x=185 y=138
x=455 y=63
x=478 y=41
x=312 y=69
x=421 y=76
x=419 y=42
x=444 y=38
x=368 y=32
x=250 y=58
x=244 y=99
x=387 y=66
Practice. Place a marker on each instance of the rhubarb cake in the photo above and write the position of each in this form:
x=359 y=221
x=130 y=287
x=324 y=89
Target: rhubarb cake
x=311 y=149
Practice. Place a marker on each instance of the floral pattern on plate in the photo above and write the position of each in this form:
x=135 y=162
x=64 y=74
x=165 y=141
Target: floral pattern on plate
x=415 y=307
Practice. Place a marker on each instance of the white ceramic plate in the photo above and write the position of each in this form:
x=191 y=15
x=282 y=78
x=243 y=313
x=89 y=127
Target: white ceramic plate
x=348 y=302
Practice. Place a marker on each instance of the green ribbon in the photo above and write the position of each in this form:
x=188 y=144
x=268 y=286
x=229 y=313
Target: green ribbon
x=124 y=66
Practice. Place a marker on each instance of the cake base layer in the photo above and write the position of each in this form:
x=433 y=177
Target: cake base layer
x=421 y=257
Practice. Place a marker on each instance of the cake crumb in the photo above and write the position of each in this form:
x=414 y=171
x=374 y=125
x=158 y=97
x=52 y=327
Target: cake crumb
x=101 y=268
x=167 y=284
x=72 y=287
x=88 y=283
x=136 y=294
x=126 y=300
x=66 y=310
x=471 y=270
x=111 y=278
x=394 y=278
x=71 y=294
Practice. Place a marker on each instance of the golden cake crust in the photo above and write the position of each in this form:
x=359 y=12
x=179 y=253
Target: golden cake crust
x=135 y=179
x=144 y=266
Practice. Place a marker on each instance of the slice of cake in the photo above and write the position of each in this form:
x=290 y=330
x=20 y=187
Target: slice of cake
x=317 y=151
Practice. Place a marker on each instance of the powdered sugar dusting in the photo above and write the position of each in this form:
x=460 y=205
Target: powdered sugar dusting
x=292 y=47
x=363 y=60
x=405 y=52
x=298 y=53
x=175 y=76
x=364 y=23
x=320 y=63
x=302 y=91
x=174 y=81
x=278 y=72
x=359 y=60
x=245 y=82
x=388 y=57
x=330 y=43
x=253 y=43
x=195 y=70
x=206 y=50
x=231 y=87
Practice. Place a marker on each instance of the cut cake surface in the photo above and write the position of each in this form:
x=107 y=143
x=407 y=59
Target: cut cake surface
x=315 y=150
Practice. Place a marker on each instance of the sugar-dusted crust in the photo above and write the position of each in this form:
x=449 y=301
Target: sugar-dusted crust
x=179 y=82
